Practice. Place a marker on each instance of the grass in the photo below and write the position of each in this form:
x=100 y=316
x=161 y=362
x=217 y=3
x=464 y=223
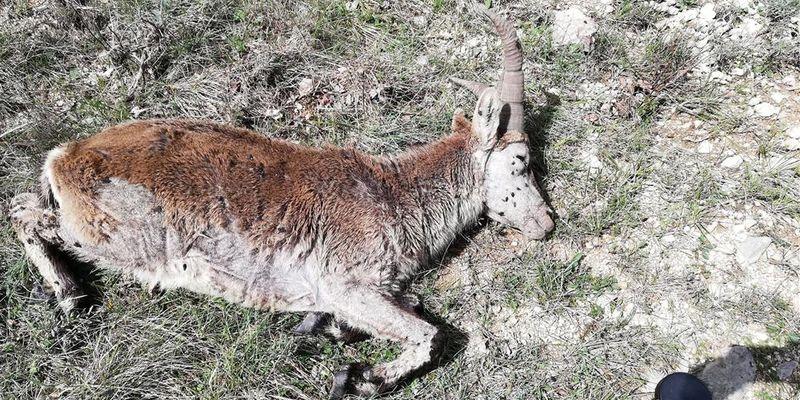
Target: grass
x=627 y=287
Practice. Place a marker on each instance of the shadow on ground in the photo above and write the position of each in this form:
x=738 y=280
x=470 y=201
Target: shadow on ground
x=730 y=375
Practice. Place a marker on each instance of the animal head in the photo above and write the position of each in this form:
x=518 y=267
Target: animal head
x=509 y=189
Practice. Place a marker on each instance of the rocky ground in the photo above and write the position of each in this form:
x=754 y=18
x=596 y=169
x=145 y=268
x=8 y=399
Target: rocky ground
x=668 y=140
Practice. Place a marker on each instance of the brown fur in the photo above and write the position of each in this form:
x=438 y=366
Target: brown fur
x=207 y=175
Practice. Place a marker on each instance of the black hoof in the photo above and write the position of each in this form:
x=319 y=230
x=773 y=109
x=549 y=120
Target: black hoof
x=355 y=379
x=313 y=323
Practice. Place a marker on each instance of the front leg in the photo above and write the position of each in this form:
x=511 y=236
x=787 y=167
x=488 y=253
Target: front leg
x=369 y=310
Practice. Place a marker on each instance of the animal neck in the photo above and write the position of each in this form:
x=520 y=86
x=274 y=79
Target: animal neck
x=441 y=185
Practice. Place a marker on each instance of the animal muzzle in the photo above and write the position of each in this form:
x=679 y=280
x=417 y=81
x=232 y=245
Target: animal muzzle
x=540 y=224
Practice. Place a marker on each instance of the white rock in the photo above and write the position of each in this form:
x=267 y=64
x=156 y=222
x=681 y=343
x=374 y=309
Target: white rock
x=751 y=249
x=720 y=76
x=422 y=60
x=755 y=100
x=672 y=10
x=746 y=30
x=592 y=161
x=777 y=97
x=305 y=87
x=766 y=109
x=707 y=12
x=741 y=3
x=790 y=81
x=273 y=113
x=704 y=147
x=791 y=144
x=732 y=162
x=793 y=132
x=572 y=26
x=419 y=20
x=750 y=26
x=689 y=15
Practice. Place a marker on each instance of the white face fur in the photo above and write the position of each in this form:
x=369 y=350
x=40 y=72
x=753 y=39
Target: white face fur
x=509 y=188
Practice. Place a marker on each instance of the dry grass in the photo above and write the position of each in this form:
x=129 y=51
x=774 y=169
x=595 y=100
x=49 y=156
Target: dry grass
x=579 y=316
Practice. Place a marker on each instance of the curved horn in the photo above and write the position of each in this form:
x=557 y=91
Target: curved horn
x=475 y=87
x=511 y=80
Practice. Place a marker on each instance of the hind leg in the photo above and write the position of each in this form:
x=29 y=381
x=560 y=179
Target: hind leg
x=317 y=322
x=37 y=229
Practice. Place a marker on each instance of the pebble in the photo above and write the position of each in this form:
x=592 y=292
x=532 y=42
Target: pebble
x=732 y=162
x=777 y=97
x=751 y=249
x=766 y=109
x=791 y=144
x=786 y=370
x=707 y=12
x=704 y=147
x=720 y=76
x=690 y=14
x=305 y=87
x=572 y=26
x=754 y=101
x=793 y=132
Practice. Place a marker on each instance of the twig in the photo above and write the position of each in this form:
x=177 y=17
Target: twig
x=14 y=129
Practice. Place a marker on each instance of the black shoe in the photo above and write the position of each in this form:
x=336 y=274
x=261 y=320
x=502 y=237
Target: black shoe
x=682 y=386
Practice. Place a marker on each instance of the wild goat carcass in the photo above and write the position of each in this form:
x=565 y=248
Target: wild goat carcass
x=274 y=225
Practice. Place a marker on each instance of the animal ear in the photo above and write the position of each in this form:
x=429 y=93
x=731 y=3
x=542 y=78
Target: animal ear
x=461 y=125
x=490 y=121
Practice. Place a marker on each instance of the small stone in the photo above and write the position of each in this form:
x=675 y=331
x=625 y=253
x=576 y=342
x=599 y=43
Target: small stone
x=777 y=97
x=751 y=249
x=766 y=110
x=419 y=20
x=705 y=147
x=672 y=10
x=273 y=113
x=707 y=12
x=754 y=101
x=737 y=71
x=720 y=76
x=791 y=144
x=786 y=370
x=422 y=60
x=474 y=42
x=305 y=87
x=793 y=132
x=572 y=26
x=689 y=15
x=732 y=162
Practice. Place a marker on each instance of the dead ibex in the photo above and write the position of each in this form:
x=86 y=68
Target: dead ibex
x=274 y=225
